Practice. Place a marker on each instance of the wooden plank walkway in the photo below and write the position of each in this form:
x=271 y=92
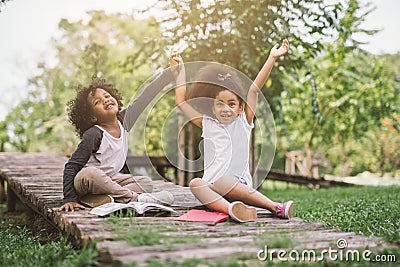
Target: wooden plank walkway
x=36 y=180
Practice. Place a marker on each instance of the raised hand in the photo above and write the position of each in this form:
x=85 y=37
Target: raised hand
x=277 y=51
x=175 y=60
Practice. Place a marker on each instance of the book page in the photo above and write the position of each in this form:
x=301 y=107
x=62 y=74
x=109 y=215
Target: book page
x=108 y=208
x=142 y=207
x=139 y=207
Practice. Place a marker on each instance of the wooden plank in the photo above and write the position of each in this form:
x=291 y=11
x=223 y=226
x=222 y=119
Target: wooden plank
x=299 y=179
x=2 y=190
x=11 y=200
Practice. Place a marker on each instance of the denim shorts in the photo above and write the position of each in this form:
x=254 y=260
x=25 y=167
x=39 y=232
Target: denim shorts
x=241 y=180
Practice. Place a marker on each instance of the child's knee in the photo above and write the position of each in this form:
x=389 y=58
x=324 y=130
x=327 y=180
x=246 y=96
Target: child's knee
x=87 y=175
x=87 y=178
x=88 y=172
x=196 y=182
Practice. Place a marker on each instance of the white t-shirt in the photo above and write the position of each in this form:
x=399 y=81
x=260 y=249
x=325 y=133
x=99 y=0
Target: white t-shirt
x=226 y=148
x=111 y=155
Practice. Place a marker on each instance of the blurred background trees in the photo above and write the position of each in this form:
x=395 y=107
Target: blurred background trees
x=327 y=94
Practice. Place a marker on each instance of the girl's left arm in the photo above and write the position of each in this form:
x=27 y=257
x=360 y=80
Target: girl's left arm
x=262 y=77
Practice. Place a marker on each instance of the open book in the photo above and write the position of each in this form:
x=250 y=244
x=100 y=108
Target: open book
x=139 y=207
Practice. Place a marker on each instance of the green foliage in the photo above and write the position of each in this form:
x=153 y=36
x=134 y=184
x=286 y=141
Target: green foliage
x=20 y=248
x=231 y=262
x=4 y=138
x=114 y=47
x=242 y=34
x=369 y=211
x=353 y=92
x=156 y=125
x=353 y=99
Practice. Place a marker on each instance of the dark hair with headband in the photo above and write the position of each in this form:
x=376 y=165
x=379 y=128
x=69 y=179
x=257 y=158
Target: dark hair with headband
x=209 y=82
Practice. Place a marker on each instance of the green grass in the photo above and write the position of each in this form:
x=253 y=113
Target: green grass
x=232 y=262
x=135 y=234
x=20 y=247
x=369 y=211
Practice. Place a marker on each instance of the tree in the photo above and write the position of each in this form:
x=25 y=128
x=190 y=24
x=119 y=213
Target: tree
x=356 y=92
x=4 y=138
x=241 y=33
x=107 y=46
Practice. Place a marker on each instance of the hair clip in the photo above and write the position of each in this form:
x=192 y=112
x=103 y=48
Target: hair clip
x=224 y=77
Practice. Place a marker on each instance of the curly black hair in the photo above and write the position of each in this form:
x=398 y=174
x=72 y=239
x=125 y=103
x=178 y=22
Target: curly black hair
x=79 y=110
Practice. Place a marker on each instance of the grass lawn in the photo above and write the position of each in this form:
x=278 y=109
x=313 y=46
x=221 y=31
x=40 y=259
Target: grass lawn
x=369 y=211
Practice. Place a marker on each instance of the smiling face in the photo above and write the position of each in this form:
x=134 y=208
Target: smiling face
x=104 y=106
x=226 y=107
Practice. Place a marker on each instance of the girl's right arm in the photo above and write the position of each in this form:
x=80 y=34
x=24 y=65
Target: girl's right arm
x=180 y=92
